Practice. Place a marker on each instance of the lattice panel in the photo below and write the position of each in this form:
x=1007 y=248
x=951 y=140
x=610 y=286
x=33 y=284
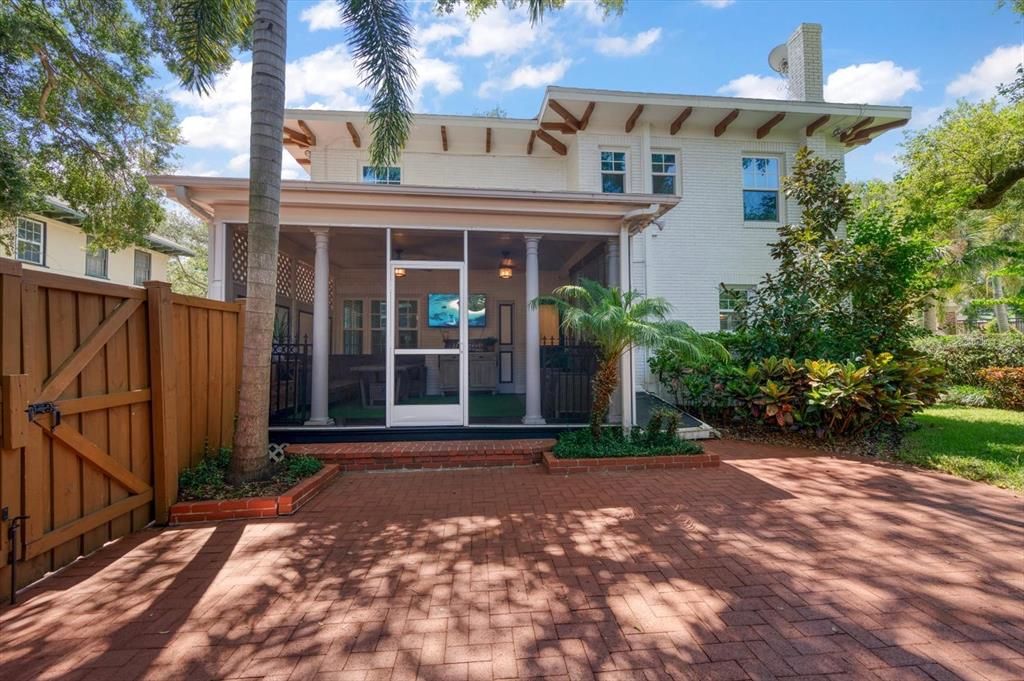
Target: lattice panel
x=330 y=296
x=239 y=257
x=303 y=282
x=284 y=275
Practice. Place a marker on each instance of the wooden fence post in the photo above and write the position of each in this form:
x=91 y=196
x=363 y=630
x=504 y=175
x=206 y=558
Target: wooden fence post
x=164 y=401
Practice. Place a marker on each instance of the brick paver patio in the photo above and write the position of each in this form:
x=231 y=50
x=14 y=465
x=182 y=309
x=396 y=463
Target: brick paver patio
x=767 y=567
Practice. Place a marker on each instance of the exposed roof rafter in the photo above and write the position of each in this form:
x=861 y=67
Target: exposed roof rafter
x=723 y=124
x=487 y=145
x=818 y=122
x=308 y=132
x=852 y=131
x=631 y=121
x=566 y=115
x=680 y=119
x=769 y=124
x=585 y=118
x=444 y=137
x=529 y=145
x=557 y=146
x=354 y=134
x=864 y=135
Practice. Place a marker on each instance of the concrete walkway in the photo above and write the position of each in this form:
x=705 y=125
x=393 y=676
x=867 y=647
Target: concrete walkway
x=779 y=564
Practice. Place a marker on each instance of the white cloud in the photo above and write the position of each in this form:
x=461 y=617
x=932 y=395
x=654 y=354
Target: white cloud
x=329 y=74
x=442 y=75
x=589 y=10
x=717 y=4
x=618 y=46
x=756 y=87
x=880 y=82
x=239 y=163
x=527 y=76
x=922 y=118
x=290 y=168
x=499 y=31
x=998 y=67
x=437 y=32
x=324 y=15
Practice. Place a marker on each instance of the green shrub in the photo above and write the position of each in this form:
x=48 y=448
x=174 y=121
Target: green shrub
x=302 y=466
x=965 y=355
x=208 y=478
x=831 y=398
x=579 y=444
x=1006 y=385
x=967 y=396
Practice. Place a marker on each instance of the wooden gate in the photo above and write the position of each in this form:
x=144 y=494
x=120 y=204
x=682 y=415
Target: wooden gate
x=90 y=448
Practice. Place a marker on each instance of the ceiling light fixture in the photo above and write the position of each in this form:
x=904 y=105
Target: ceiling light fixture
x=505 y=268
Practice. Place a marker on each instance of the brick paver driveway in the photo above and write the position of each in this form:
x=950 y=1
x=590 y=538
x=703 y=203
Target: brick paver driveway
x=772 y=567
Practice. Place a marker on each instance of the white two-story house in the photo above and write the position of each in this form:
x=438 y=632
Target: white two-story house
x=403 y=293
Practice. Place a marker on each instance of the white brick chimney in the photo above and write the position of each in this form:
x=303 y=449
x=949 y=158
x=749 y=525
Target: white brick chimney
x=804 y=64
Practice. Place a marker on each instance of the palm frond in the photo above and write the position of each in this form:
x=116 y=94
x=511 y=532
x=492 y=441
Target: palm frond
x=203 y=33
x=382 y=44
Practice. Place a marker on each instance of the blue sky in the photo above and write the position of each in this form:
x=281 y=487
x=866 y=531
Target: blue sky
x=922 y=54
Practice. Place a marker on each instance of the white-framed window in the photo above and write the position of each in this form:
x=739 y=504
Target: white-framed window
x=761 y=188
x=30 y=241
x=613 y=172
x=352 y=327
x=408 y=325
x=143 y=267
x=96 y=259
x=664 y=173
x=729 y=296
x=387 y=175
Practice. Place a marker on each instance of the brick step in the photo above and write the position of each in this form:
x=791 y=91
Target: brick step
x=376 y=456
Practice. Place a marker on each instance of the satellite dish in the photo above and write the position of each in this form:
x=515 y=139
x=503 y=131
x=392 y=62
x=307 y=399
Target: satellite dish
x=778 y=59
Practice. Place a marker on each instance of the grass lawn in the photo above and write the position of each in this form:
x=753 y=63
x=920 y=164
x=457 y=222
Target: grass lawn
x=974 y=443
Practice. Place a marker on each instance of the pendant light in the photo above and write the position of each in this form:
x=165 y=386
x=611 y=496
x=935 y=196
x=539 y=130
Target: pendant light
x=399 y=271
x=505 y=268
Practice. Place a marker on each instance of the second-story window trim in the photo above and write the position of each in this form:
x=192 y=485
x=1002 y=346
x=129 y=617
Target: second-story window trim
x=614 y=163
x=664 y=172
x=143 y=267
x=761 y=189
x=30 y=241
x=388 y=175
x=97 y=260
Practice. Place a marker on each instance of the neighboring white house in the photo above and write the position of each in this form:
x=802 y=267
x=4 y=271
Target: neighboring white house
x=52 y=241
x=672 y=195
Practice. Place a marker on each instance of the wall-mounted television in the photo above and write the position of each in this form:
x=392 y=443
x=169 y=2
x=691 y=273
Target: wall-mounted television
x=443 y=310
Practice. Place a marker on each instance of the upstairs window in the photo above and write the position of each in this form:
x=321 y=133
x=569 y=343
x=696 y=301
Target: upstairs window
x=663 y=173
x=143 y=267
x=729 y=297
x=760 y=189
x=96 y=259
x=387 y=175
x=30 y=241
x=613 y=172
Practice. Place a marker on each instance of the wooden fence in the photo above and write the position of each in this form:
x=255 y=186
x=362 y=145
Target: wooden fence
x=107 y=392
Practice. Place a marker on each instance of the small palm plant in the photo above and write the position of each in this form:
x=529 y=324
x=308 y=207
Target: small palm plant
x=616 y=321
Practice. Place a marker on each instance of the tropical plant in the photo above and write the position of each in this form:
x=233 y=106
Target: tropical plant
x=963 y=356
x=1006 y=385
x=834 y=297
x=615 y=322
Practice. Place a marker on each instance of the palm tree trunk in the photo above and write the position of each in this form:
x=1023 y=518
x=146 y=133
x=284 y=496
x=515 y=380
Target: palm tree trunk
x=1002 y=318
x=605 y=381
x=249 y=460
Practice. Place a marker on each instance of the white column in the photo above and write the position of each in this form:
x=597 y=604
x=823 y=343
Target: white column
x=626 y=361
x=533 y=413
x=321 y=331
x=217 y=260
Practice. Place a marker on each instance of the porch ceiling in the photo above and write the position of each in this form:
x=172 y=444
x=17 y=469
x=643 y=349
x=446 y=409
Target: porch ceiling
x=362 y=205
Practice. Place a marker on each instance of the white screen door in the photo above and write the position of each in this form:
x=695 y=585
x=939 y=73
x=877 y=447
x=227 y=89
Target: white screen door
x=427 y=361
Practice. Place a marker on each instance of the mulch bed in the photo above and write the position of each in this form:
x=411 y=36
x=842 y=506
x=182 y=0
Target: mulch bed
x=883 y=443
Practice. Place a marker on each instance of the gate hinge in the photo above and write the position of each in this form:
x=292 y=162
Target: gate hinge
x=38 y=408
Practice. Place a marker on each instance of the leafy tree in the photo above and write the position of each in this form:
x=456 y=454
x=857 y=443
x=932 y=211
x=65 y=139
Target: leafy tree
x=79 y=119
x=834 y=296
x=961 y=181
x=188 y=275
x=616 y=321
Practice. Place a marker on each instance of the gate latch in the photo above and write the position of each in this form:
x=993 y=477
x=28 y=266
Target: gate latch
x=38 y=408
